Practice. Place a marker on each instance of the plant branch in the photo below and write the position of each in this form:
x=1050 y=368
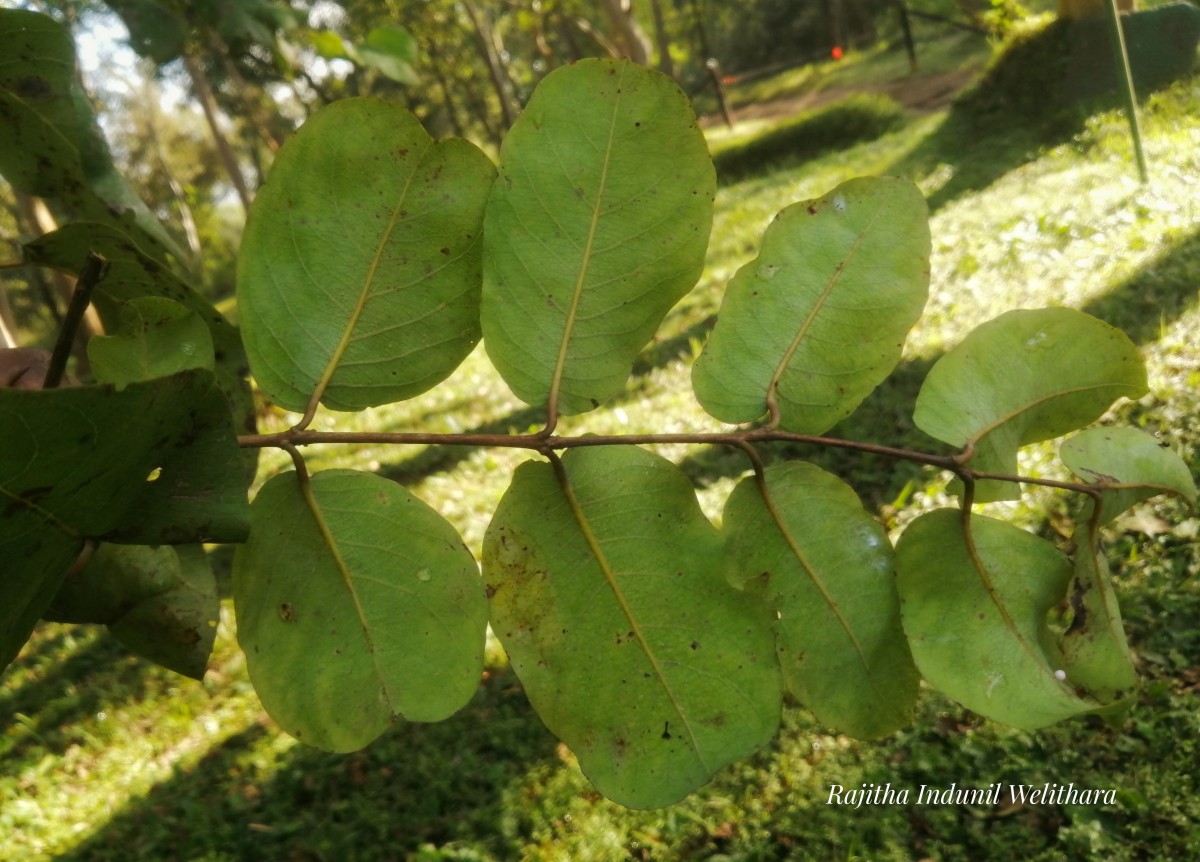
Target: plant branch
x=548 y=443
x=90 y=275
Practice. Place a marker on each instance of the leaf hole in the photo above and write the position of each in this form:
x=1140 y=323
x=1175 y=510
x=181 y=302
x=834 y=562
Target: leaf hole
x=154 y=474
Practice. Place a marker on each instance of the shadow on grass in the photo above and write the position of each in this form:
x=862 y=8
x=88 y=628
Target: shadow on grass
x=419 y=784
x=58 y=703
x=1040 y=92
x=858 y=118
x=1154 y=297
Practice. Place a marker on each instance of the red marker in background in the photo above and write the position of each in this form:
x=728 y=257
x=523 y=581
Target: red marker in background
x=836 y=53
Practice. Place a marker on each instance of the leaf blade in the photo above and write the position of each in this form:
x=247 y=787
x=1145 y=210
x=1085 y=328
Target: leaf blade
x=160 y=601
x=73 y=467
x=360 y=270
x=598 y=225
x=848 y=269
x=974 y=605
x=158 y=337
x=1026 y=376
x=1094 y=647
x=605 y=589
x=827 y=570
x=345 y=629
x=1128 y=465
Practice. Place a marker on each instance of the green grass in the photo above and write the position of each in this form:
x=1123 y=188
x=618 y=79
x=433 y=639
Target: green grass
x=861 y=117
x=106 y=758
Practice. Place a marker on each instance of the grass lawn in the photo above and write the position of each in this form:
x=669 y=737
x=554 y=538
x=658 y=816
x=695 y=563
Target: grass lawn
x=104 y=757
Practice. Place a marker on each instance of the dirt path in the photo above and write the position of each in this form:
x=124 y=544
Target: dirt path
x=921 y=94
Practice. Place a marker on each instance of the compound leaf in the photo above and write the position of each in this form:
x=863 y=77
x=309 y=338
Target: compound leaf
x=819 y=318
x=357 y=605
x=607 y=593
x=974 y=603
x=1026 y=376
x=360 y=273
x=598 y=224
x=826 y=568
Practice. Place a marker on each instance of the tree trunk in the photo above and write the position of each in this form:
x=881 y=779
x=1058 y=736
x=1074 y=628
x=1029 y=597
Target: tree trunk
x=150 y=93
x=211 y=113
x=864 y=24
x=488 y=53
x=829 y=12
x=252 y=97
x=665 y=64
x=973 y=10
x=567 y=30
x=701 y=31
x=8 y=324
x=627 y=34
x=447 y=97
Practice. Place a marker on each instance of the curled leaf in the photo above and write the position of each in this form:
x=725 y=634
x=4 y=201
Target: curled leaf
x=975 y=594
x=808 y=328
x=1028 y=375
x=1128 y=465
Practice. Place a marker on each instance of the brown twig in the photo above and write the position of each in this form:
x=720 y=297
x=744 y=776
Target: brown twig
x=548 y=443
x=92 y=273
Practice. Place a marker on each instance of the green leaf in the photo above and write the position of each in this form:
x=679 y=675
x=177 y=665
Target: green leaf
x=329 y=45
x=826 y=568
x=157 y=338
x=161 y=602
x=1026 y=376
x=359 y=274
x=53 y=145
x=357 y=605
x=607 y=593
x=391 y=50
x=75 y=467
x=1129 y=465
x=974 y=603
x=598 y=224
x=155 y=31
x=1094 y=647
x=133 y=274
x=819 y=318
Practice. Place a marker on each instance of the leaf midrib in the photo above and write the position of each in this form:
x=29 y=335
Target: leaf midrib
x=343 y=569
x=560 y=361
x=614 y=587
x=985 y=578
x=365 y=293
x=798 y=553
x=818 y=307
x=974 y=439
